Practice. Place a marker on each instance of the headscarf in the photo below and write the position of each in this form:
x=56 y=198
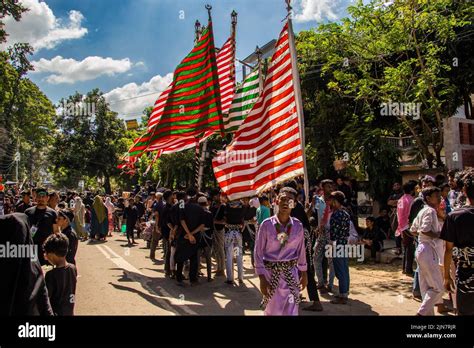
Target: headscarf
x=99 y=209
x=23 y=290
x=110 y=206
x=78 y=204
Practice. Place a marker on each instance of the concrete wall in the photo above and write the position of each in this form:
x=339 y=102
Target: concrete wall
x=458 y=156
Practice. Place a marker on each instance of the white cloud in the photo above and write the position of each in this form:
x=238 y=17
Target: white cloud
x=67 y=70
x=317 y=10
x=40 y=27
x=130 y=99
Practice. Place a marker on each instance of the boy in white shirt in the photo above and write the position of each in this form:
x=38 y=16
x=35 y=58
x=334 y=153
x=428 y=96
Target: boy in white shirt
x=428 y=228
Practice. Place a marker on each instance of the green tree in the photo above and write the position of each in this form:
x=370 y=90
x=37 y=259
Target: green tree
x=9 y=8
x=27 y=117
x=88 y=144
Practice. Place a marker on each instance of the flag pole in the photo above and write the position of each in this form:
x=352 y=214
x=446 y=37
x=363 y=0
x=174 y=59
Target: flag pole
x=258 y=52
x=299 y=102
x=197 y=160
x=233 y=16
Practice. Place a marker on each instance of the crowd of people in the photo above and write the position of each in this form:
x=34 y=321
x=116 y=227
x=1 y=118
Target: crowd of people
x=434 y=222
x=285 y=236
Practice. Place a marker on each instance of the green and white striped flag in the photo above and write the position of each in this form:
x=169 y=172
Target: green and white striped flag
x=245 y=97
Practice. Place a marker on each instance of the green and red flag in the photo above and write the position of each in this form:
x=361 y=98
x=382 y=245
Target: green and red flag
x=191 y=105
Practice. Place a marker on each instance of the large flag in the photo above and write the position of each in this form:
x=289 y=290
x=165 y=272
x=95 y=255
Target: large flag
x=191 y=105
x=267 y=148
x=226 y=70
x=244 y=98
x=226 y=75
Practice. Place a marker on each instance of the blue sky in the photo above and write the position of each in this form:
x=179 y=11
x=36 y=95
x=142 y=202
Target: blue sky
x=127 y=47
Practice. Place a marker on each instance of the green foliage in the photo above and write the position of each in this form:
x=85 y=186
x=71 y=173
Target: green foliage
x=402 y=53
x=88 y=144
x=9 y=8
x=26 y=120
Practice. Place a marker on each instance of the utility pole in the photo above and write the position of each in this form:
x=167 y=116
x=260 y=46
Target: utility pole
x=17 y=159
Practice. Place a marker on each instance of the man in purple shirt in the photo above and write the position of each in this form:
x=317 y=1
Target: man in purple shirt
x=280 y=258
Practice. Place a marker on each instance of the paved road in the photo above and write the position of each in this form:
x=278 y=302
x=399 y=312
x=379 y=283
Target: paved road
x=117 y=280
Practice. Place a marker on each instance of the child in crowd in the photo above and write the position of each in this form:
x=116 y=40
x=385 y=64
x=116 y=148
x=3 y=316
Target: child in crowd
x=61 y=280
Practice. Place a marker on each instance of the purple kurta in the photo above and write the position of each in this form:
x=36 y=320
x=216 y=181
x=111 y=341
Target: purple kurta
x=267 y=248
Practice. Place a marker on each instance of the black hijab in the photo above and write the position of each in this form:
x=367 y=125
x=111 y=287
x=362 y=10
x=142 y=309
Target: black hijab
x=23 y=290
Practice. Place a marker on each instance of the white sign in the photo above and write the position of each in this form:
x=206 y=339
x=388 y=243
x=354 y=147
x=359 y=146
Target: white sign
x=81 y=184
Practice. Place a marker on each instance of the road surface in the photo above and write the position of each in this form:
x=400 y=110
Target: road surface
x=114 y=279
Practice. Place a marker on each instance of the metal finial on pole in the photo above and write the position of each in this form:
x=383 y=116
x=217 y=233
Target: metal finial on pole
x=209 y=8
x=233 y=17
x=197 y=30
x=258 y=52
x=288 y=6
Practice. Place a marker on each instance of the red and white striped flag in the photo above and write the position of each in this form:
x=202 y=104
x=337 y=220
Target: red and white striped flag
x=267 y=148
x=226 y=70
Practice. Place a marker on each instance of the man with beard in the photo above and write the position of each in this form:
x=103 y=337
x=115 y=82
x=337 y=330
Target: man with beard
x=41 y=219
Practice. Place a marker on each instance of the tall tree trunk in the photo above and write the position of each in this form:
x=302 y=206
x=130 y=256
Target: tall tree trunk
x=439 y=162
x=429 y=159
x=467 y=104
x=107 y=186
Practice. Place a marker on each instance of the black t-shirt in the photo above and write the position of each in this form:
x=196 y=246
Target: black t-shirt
x=234 y=216
x=249 y=212
x=43 y=220
x=21 y=206
x=206 y=237
x=458 y=228
x=193 y=214
x=140 y=209
x=217 y=211
x=119 y=208
x=395 y=196
x=165 y=218
x=173 y=216
x=73 y=242
x=88 y=201
x=375 y=234
x=131 y=215
x=346 y=189
x=299 y=213
x=383 y=223
x=61 y=283
x=157 y=206
x=416 y=206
